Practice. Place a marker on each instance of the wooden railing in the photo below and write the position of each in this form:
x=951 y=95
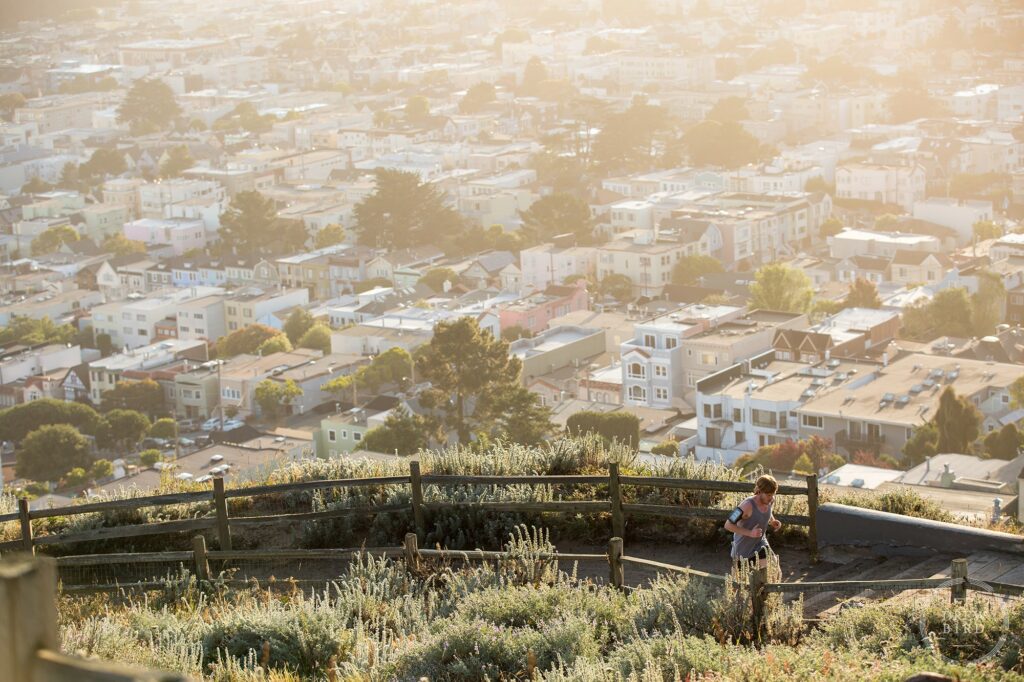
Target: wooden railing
x=222 y=523
x=29 y=640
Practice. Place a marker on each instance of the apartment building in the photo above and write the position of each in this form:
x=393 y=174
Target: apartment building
x=131 y=323
x=59 y=306
x=201 y=318
x=182 y=235
x=547 y=264
x=647 y=263
x=851 y=242
x=879 y=410
x=535 y=311
x=154 y=198
x=344 y=432
x=105 y=373
x=253 y=304
x=20 y=363
x=899 y=185
x=240 y=375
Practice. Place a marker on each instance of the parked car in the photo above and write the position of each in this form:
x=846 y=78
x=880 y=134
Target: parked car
x=211 y=424
x=158 y=443
x=232 y=424
x=186 y=442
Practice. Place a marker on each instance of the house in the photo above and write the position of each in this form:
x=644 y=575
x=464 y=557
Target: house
x=105 y=373
x=59 y=306
x=552 y=263
x=183 y=235
x=421 y=259
x=312 y=375
x=916 y=267
x=253 y=304
x=556 y=349
x=533 y=312
x=240 y=375
x=855 y=332
x=343 y=432
x=22 y=362
x=852 y=242
x=131 y=323
x=898 y=185
x=647 y=264
x=957 y=214
x=874 y=269
x=966 y=472
x=485 y=269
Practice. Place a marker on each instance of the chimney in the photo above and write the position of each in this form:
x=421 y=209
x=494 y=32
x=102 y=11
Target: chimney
x=885 y=359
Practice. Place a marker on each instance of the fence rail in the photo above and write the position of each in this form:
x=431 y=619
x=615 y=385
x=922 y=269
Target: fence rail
x=220 y=520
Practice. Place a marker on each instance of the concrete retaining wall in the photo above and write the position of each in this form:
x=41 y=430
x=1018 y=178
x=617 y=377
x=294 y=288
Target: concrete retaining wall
x=839 y=524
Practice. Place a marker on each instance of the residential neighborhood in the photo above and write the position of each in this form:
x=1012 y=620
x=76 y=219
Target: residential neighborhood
x=741 y=225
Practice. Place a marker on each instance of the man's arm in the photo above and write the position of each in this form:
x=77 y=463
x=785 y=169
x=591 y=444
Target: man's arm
x=774 y=523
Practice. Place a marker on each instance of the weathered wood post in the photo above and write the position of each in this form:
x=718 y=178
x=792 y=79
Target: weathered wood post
x=26 y=526
x=28 y=615
x=958 y=572
x=812 y=515
x=412 y=553
x=616 y=574
x=615 y=495
x=199 y=554
x=220 y=505
x=416 y=481
x=758 y=579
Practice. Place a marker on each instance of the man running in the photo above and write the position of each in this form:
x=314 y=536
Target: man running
x=749 y=524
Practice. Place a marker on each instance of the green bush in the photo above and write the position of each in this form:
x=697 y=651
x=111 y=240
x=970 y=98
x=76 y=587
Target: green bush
x=666 y=448
x=617 y=427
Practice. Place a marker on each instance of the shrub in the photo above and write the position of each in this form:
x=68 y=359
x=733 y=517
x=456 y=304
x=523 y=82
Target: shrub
x=667 y=448
x=150 y=457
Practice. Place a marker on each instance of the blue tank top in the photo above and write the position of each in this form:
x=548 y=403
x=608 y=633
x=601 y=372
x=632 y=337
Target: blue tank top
x=744 y=547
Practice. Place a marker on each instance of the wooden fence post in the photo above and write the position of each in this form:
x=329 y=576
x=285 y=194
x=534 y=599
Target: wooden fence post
x=199 y=553
x=758 y=579
x=220 y=504
x=417 y=497
x=958 y=590
x=615 y=494
x=615 y=572
x=812 y=515
x=28 y=615
x=26 y=525
x=412 y=553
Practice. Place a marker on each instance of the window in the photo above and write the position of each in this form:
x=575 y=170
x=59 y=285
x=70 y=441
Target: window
x=197 y=316
x=332 y=436
x=670 y=342
x=741 y=437
x=232 y=310
x=764 y=418
x=636 y=371
x=344 y=434
x=713 y=411
x=1005 y=399
x=183 y=330
x=140 y=318
x=660 y=371
x=812 y=421
x=356 y=436
x=126 y=316
x=637 y=393
x=737 y=414
x=650 y=341
x=143 y=332
x=126 y=330
x=709 y=358
x=661 y=393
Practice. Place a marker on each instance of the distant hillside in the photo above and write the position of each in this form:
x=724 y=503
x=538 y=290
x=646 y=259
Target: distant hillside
x=14 y=11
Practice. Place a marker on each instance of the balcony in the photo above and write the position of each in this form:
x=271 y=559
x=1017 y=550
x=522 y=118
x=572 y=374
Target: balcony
x=874 y=443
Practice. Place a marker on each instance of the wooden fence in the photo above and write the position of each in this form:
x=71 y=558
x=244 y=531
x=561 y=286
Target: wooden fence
x=29 y=640
x=222 y=523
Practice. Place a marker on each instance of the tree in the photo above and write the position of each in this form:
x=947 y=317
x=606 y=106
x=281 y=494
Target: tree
x=51 y=451
x=125 y=427
x=1004 y=443
x=534 y=74
x=957 y=422
x=558 y=214
x=417 y=109
x=103 y=162
x=477 y=98
x=317 y=337
x=298 y=323
x=36 y=185
x=150 y=457
x=830 y=227
x=910 y=104
x=146 y=396
x=149 y=106
x=617 y=286
x=402 y=433
x=275 y=344
x=250 y=225
x=779 y=287
x=75 y=478
x=463 y=365
x=163 y=428
x=435 y=278
x=621 y=427
x=18 y=421
x=986 y=229
x=862 y=294
x=1016 y=391
x=329 y=236
x=723 y=144
x=987 y=303
x=9 y=102
x=404 y=212
x=518 y=415
x=514 y=333
x=626 y=140
x=245 y=340
x=666 y=448
x=690 y=269
x=53 y=238
x=179 y=160
x=273 y=395
x=101 y=468
x=244 y=118
x=119 y=245
x=21 y=329
x=947 y=314
x=728 y=109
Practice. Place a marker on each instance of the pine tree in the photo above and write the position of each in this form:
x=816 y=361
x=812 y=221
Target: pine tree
x=957 y=422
